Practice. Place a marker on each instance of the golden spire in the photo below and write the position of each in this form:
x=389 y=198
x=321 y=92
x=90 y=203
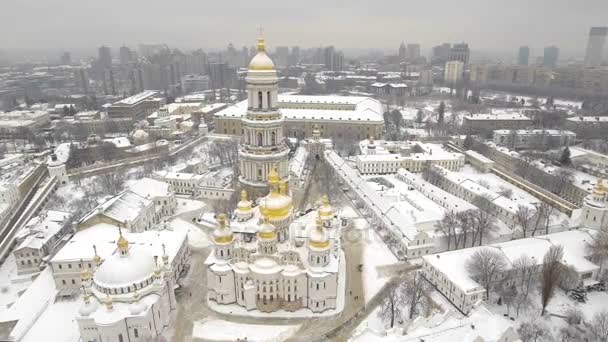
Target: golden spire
x=261 y=43
x=319 y=222
x=244 y=195
x=283 y=187
x=165 y=256
x=325 y=199
x=96 y=258
x=122 y=243
x=318 y=238
x=221 y=220
x=273 y=175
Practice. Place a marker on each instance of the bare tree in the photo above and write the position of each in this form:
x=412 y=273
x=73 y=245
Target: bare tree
x=598 y=249
x=446 y=225
x=598 y=327
x=551 y=274
x=523 y=218
x=112 y=183
x=392 y=304
x=416 y=289
x=508 y=294
x=485 y=265
x=534 y=332
x=523 y=269
x=484 y=222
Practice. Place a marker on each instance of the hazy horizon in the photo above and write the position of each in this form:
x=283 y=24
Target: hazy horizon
x=488 y=26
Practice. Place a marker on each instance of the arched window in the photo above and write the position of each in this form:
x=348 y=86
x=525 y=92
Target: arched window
x=259 y=99
x=273 y=138
x=120 y=338
x=259 y=139
x=269 y=101
x=135 y=332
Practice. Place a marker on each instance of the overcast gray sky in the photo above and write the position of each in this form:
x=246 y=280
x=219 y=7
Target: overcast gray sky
x=488 y=25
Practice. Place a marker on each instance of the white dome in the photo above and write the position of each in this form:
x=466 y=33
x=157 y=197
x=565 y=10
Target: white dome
x=87 y=309
x=261 y=61
x=122 y=271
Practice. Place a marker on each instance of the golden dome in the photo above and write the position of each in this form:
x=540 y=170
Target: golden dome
x=122 y=243
x=318 y=235
x=261 y=61
x=245 y=203
x=277 y=205
x=85 y=274
x=325 y=210
x=222 y=234
x=267 y=230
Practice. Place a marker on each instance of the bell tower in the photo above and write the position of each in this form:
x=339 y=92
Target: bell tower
x=262 y=148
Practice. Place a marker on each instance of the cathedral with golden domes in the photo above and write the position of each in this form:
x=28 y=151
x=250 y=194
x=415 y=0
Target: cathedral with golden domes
x=265 y=257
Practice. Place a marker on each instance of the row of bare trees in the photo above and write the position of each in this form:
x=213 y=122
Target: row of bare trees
x=490 y=268
x=534 y=220
x=467 y=228
x=407 y=300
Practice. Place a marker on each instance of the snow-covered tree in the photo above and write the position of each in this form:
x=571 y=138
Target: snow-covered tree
x=551 y=274
x=485 y=265
x=579 y=293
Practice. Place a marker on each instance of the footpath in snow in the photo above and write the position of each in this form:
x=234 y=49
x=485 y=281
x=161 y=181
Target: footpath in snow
x=219 y=331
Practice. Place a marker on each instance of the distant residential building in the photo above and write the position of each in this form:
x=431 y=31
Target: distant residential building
x=523 y=57
x=459 y=52
x=588 y=126
x=333 y=60
x=440 y=53
x=136 y=107
x=104 y=57
x=396 y=89
x=413 y=52
x=81 y=80
x=533 y=138
x=478 y=73
x=426 y=77
x=192 y=83
x=551 y=56
x=66 y=59
x=595 y=46
x=485 y=123
x=282 y=55
x=453 y=72
x=126 y=55
x=20 y=121
x=402 y=52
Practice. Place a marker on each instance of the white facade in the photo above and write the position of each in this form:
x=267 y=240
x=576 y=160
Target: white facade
x=88 y=248
x=381 y=157
x=39 y=238
x=57 y=169
x=533 y=138
x=595 y=207
x=453 y=72
x=126 y=210
x=159 y=192
x=447 y=271
x=262 y=148
x=128 y=297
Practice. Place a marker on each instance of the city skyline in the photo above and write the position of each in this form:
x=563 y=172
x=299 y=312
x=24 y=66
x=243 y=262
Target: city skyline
x=350 y=28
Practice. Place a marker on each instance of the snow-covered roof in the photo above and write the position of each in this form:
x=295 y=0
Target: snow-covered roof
x=150 y=188
x=588 y=119
x=40 y=229
x=390 y=215
x=104 y=236
x=304 y=107
x=452 y=264
x=119 y=142
x=132 y=100
x=124 y=207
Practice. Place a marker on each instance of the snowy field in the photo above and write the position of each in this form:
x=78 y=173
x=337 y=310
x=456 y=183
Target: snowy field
x=375 y=253
x=218 y=330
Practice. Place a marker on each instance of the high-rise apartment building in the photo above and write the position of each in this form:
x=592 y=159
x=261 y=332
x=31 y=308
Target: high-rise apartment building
x=104 y=57
x=460 y=52
x=413 y=52
x=551 y=56
x=595 y=47
x=453 y=72
x=523 y=57
x=402 y=52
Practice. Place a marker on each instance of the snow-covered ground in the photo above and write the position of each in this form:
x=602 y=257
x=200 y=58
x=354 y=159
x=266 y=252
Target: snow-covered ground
x=197 y=238
x=219 y=330
x=375 y=253
x=11 y=285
